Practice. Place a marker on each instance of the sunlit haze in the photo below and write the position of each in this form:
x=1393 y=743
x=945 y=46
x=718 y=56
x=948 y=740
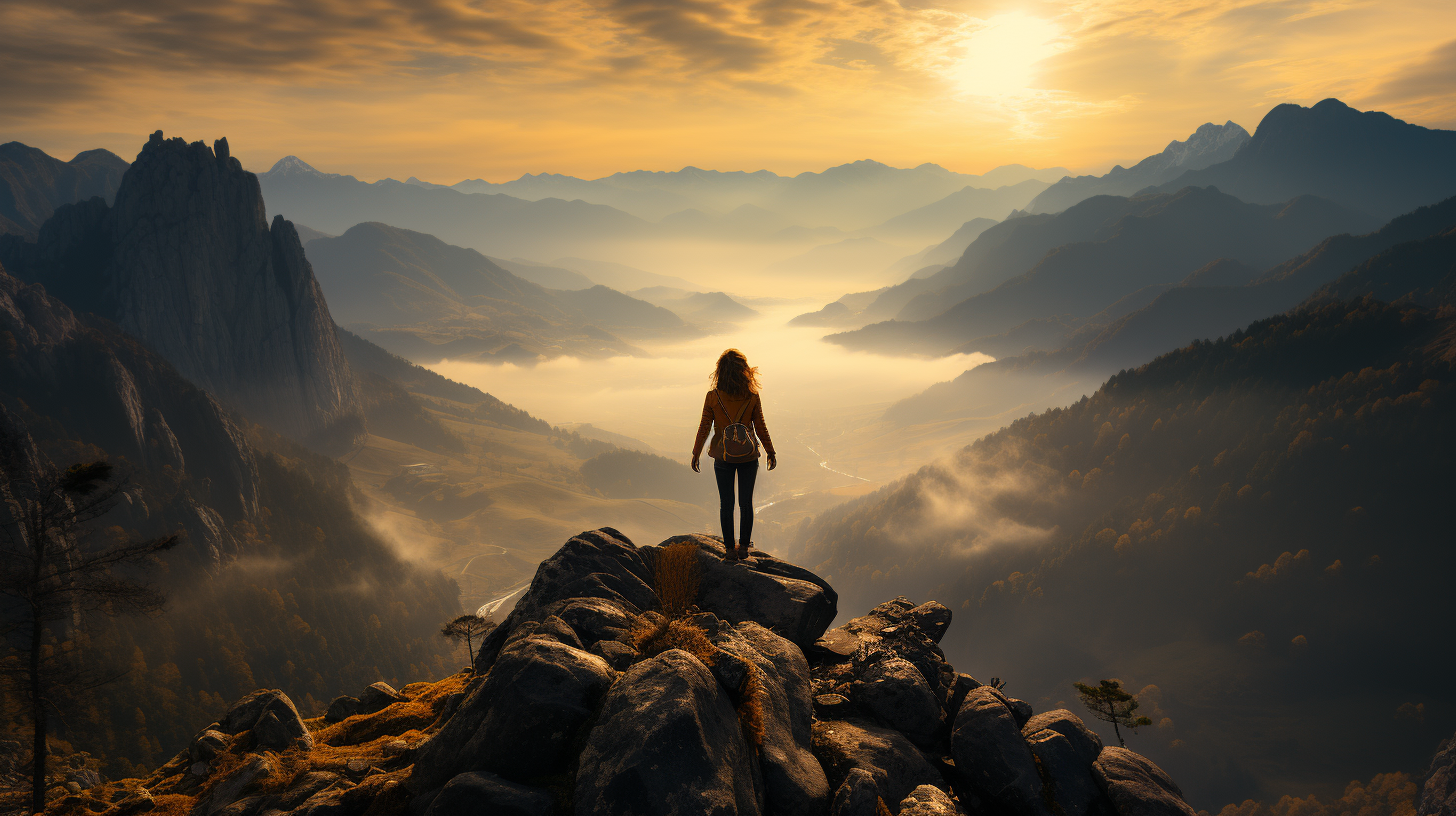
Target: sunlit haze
x=452 y=90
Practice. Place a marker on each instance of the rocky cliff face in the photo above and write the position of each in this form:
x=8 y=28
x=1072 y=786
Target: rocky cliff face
x=79 y=381
x=588 y=699
x=186 y=262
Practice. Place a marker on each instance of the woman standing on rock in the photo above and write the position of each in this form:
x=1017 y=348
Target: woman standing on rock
x=733 y=407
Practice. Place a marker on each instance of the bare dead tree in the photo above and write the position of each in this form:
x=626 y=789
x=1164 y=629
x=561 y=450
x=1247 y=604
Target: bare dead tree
x=52 y=568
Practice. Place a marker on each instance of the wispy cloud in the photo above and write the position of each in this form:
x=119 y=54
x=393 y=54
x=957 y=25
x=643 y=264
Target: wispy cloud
x=598 y=85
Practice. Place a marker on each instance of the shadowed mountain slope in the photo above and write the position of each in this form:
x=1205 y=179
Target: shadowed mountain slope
x=1221 y=528
x=1201 y=309
x=1154 y=240
x=276 y=578
x=33 y=184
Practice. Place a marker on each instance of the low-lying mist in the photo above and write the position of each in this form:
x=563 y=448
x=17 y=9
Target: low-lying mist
x=812 y=390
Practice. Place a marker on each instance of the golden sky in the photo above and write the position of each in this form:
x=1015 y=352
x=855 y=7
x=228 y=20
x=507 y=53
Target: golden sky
x=452 y=89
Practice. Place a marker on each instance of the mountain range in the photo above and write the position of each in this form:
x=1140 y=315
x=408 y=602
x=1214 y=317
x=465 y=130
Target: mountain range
x=1126 y=246
x=1245 y=515
x=412 y=292
x=1366 y=160
x=33 y=184
x=850 y=196
x=1209 y=144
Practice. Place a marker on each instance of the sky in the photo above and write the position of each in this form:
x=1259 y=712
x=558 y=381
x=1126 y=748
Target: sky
x=452 y=89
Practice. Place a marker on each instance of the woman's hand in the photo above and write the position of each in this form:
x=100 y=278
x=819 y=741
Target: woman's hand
x=773 y=461
x=696 y=469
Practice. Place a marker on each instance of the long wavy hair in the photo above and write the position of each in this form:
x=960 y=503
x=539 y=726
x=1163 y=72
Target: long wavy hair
x=733 y=375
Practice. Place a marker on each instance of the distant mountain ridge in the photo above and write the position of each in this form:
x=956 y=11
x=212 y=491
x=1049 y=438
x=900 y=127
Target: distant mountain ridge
x=33 y=184
x=1148 y=241
x=1366 y=160
x=812 y=199
x=1209 y=144
x=498 y=224
x=425 y=299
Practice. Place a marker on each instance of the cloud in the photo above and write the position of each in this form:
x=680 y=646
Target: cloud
x=1431 y=78
x=406 y=87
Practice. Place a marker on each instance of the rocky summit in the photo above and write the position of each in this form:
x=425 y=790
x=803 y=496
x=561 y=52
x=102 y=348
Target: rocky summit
x=664 y=679
x=186 y=262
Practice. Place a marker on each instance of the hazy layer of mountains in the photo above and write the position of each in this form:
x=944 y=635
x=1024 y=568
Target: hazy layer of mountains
x=587 y=219
x=1210 y=144
x=33 y=184
x=425 y=299
x=1105 y=256
x=1245 y=516
x=854 y=195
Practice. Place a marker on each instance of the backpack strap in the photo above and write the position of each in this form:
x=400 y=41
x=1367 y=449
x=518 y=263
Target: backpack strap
x=738 y=420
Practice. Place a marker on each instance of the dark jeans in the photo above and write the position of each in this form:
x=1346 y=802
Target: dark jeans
x=747 y=473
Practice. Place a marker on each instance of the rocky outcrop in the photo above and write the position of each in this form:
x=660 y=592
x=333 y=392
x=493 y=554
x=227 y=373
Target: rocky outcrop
x=699 y=710
x=186 y=262
x=1438 y=796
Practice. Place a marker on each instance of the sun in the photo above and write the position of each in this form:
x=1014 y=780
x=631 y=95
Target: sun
x=998 y=59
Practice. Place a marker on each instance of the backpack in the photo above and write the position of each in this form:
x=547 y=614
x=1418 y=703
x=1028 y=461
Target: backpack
x=739 y=443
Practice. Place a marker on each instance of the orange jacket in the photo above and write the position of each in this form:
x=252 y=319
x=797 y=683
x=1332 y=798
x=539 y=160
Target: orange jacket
x=714 y=415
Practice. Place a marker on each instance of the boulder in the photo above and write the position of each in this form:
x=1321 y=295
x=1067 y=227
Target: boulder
x=521 y=721
x=1083 y=739
x=794 y=781
x=230 y=789
x=377 y=697
x=617 y=654
x=598 y=564
x=898 y=695
x=485 y=794
x=785 y=598
x=207 y=745
x=892 y=627
x=963 y=685
x=1067 y=772
x=667 y=741
x=1136 y=786
x=303 y=789
x=244 y=714
x=594 y=619
x=558 y=629
x=991 y=757
x=895 y=763
x=933 y=618
x=272 y=734
x=857 y=795
x=342 y=708
x=927 y=800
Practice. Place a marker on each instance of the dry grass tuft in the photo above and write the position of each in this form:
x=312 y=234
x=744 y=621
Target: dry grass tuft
x=750 y=707
x=676 y=578
x=654 y=639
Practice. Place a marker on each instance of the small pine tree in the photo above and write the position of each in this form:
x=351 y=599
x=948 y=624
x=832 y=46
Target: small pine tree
x=1109 y=703
x=469 y=628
